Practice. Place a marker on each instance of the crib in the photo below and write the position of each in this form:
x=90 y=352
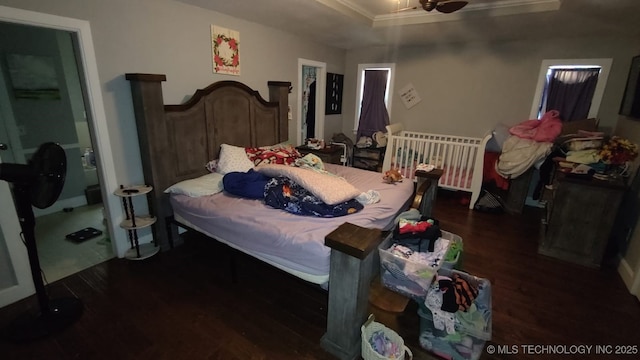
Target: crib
x=461 y=158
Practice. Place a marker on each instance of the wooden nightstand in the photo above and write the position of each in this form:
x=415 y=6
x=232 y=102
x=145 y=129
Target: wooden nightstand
x=330 y=154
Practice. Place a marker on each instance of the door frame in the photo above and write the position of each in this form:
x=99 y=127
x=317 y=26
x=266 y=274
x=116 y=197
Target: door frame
x=605 y=67
x=321 y=86
x=23 y=285
x=97 y=121
x=10 y=129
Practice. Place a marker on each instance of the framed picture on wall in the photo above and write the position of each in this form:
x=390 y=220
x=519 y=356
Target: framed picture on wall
x=225 y=49
x=33 y=77
x=333 y=103
x=631 y=100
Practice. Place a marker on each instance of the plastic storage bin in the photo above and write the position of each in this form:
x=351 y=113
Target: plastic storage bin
x=406 y=277
x=456 y=263
x=472 y=328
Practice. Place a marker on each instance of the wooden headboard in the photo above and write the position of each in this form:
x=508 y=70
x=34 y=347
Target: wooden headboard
x=176 y=141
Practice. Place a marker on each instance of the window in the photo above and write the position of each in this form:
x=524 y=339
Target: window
x=360 y=88
x=549 y=67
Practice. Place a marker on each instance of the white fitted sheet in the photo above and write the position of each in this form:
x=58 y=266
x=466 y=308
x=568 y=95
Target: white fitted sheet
x=290 y=242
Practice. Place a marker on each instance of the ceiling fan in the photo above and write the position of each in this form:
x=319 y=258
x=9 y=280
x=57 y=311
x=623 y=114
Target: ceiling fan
x=443 y=6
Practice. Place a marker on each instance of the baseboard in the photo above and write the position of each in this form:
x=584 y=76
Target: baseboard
x=144 y=239
x=60 y=205
x=626 y=273
x=534 y=203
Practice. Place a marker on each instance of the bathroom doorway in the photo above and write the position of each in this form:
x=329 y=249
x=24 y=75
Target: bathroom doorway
x=45 y=56
x=311 y=99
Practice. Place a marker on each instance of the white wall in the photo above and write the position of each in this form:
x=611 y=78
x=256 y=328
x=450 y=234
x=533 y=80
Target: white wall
x=468 y=88
x=172 y=38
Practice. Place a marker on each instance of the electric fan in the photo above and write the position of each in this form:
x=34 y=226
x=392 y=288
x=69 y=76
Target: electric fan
x=39 y=183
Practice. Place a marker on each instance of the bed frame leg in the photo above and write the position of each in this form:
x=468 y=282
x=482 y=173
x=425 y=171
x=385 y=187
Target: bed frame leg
x=233 y=264
x=353 y=266
x=172 y=230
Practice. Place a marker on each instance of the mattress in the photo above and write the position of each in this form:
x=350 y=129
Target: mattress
x=290 y=242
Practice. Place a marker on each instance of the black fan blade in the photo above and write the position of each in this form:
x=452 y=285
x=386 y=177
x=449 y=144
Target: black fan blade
x=404 y=9
x=49 y=164
x=448 y=7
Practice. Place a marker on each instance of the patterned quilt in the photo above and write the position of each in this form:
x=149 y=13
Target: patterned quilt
x=284 y=193
x=330 y=189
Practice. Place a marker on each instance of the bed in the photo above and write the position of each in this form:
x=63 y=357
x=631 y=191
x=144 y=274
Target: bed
x=176 y=141
x=461 y=158
x=289 y=242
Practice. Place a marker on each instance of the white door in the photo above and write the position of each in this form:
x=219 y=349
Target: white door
x=15 y=275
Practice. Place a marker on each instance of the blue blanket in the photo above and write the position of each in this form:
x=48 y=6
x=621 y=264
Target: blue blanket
x=248 y=184
x=284 y=193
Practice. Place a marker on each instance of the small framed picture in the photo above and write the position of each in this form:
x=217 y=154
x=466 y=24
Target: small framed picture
x=333 y=103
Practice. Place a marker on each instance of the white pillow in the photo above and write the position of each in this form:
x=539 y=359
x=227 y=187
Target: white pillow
x=232 y=159
x=204 y=185
x=330 y=189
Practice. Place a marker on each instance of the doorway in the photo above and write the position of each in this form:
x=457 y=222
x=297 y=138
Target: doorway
x=85 y=111
x=38 y=58
x=311 y=100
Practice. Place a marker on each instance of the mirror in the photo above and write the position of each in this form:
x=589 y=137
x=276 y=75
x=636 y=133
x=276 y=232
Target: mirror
x=631 y=100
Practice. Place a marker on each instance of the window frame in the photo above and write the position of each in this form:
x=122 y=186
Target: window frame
x=391 y=67
x=605 y=67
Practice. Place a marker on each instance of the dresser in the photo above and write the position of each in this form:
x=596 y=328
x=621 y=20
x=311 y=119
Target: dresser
x=331 y=154
x=579 y=217
x=370 y=158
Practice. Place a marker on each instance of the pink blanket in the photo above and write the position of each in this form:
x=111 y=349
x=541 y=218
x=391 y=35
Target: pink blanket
x=543 y=130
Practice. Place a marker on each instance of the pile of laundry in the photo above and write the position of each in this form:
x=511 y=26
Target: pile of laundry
x=528 y=145
x=418 y=250
x=457 y=315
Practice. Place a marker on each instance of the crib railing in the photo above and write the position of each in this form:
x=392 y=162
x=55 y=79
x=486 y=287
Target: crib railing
x=460 y=157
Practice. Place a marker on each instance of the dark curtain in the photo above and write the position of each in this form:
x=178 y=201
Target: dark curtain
x=373 y=112
x=311 y=112
x=570 y=92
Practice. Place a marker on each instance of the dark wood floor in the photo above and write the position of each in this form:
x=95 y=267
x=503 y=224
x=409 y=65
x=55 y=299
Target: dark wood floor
x=182 y=304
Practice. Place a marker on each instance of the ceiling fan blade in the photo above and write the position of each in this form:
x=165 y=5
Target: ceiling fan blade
x=404 y=9
x=448 y=7
x=428 y=5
